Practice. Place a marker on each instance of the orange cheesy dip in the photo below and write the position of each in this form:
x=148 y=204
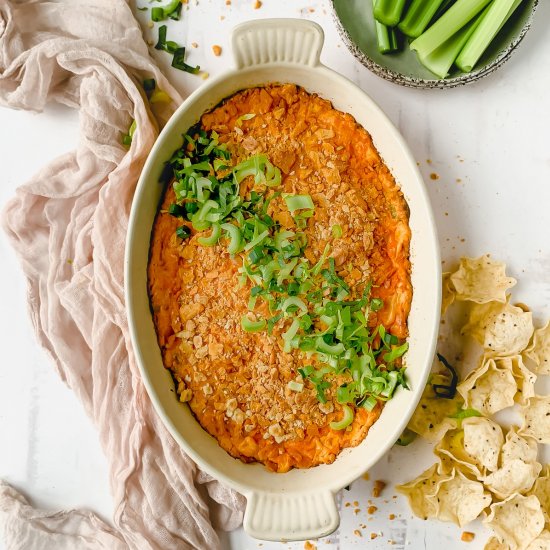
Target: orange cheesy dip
x=290 y=367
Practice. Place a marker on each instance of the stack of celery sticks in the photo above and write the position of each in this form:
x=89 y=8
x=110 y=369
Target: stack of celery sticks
x=443 y=32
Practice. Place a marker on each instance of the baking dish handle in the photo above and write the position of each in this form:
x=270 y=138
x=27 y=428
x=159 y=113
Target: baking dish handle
x=286 y=517
x=267 y=41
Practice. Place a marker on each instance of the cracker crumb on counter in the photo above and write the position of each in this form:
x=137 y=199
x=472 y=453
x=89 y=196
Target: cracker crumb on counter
x=216 y=50
x=391 y=516
x=257 y=4
x=467 y=536
x=194 y=44
x=373 y=536
x=357 y=533
x=378 y=488
x=371 y=509
x=309 y=545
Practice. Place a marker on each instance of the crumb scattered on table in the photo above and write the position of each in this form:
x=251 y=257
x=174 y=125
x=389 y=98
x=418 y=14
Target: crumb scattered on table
x=371 y=509
x=378 y=488
x=467 y=536
x=434 y=176
x=357 y=533
x=257 y=5
x=309 y=546
x=391 y=516
x=373 y=536
x=217 y=50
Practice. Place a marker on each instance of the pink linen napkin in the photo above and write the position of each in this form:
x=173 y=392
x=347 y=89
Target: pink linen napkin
x=68 y=226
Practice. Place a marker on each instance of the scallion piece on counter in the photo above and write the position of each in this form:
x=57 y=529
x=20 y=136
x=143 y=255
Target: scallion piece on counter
x=252 y=326
x=346 y=420
x=388 y=12
x=172 y=10
x=161 y=42
x=458 y=15
x=418 y=17
x=441 y=59
x=498 y=13
x=178 y=62
x=298 y=202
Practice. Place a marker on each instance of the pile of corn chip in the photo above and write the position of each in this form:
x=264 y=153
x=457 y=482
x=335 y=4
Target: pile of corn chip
x=483 y=468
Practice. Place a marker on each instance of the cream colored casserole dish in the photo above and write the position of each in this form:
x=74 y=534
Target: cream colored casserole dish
x=298 y=504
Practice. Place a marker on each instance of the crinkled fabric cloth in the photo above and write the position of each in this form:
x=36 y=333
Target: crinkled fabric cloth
x=68 y=227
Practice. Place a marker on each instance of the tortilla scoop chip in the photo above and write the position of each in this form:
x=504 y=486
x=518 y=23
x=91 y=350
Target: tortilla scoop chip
x=542 y=542
x=517 y=446
x=481 y=280
x=460 y=499
x=483 y=440
x=447 y=293
x=525 y=379
x=494 y=544
x=431 y=419
x=541 y=489
x=516 y=521
x=539 y=350
x=453 y=455
x=502 y=329
x=513 y=477
x=536 y=418
x=421 y=491
x=488 y=388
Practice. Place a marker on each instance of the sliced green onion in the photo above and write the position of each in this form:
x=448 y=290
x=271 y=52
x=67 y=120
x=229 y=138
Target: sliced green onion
x=406 y=438
x=213 y=238
x=337 y=231
x=298 y=202
x=458 y=15
x=161 y=42
x=498 y=13
x=290 y=334
x=295 y=386
x=257 y=240
x=369 y=403
x=247 y=116
x=178 y=62
x=346 y=420
x=330 y=349
x=252 y=326
x=235 y=238
x=157 y=14
x=183 y=232
x=396 y=352
x=159 y=96
x=293 y=301
x=466 y=413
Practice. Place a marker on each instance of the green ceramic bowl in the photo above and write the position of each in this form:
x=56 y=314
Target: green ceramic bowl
x=355 y=24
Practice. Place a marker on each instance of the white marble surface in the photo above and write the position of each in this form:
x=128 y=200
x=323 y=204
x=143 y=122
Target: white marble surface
x=489 y=143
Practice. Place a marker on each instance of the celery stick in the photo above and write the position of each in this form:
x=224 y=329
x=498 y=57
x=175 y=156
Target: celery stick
x=418 y=16
x=440 y=60
x=442 y=9
x=499 y=12
x=388 y=12
x=385 y=36
x=458 y=15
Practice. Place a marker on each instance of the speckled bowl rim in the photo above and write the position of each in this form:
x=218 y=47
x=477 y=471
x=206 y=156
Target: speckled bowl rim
x=412 y=82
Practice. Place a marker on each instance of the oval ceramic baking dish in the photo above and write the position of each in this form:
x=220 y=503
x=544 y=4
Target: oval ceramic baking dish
x=299 y=504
